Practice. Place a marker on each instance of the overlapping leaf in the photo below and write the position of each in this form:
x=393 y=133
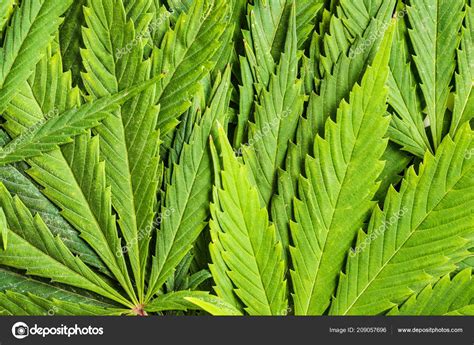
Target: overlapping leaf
x=26 y=39
x=248 y=242
x=424 y=230
x=186 y=206
x=336 y=196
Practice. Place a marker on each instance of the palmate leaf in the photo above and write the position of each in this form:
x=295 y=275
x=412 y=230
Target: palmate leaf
x=186 y=205
x=129 y=140
x=435 y=39
x=114 y=198
x=81 y=194
x=85 y=200
x=34 y=249
x=19 y=185
x=30 y=32
x=446 y=297
x=336 y=196
x=248 y=242
x=424 y=230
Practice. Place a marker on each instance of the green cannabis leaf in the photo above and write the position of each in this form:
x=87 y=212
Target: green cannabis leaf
x=196 y=157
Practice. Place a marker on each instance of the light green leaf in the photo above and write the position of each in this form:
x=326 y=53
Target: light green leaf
x=26 y=39
x=276 y=118
x=6 y=10
x=129 y=141
x=15 y=304
x=175 y=301
x=214 y=305
x=48 y=134
x=336 y=197
x=186 y=204
x=407 y=128
x=464 y=97
x=446 y=297
x=34 y=249
x=435 y=39
x=187 y=53
x=424 y=230
x=249 y=246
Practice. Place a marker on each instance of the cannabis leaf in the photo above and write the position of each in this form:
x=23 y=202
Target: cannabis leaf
x=336 y=197
x=419 y=236
x=196 y=157
x=249 y=246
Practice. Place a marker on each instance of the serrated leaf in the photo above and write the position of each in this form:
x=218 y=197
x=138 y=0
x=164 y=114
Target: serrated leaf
x=34 y=249
x=336 y=196
x=175 y=301
x=276 y=118
x=464 y=97
x=446 y=297
x=26 y=39
x=187 y=53
x=186 y=206
x=435 y=39
x=48 y=134
x=250 y=249
x=407 y=128
x=424 y=230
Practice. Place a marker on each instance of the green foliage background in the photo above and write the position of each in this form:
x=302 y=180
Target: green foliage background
x=233 y=157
